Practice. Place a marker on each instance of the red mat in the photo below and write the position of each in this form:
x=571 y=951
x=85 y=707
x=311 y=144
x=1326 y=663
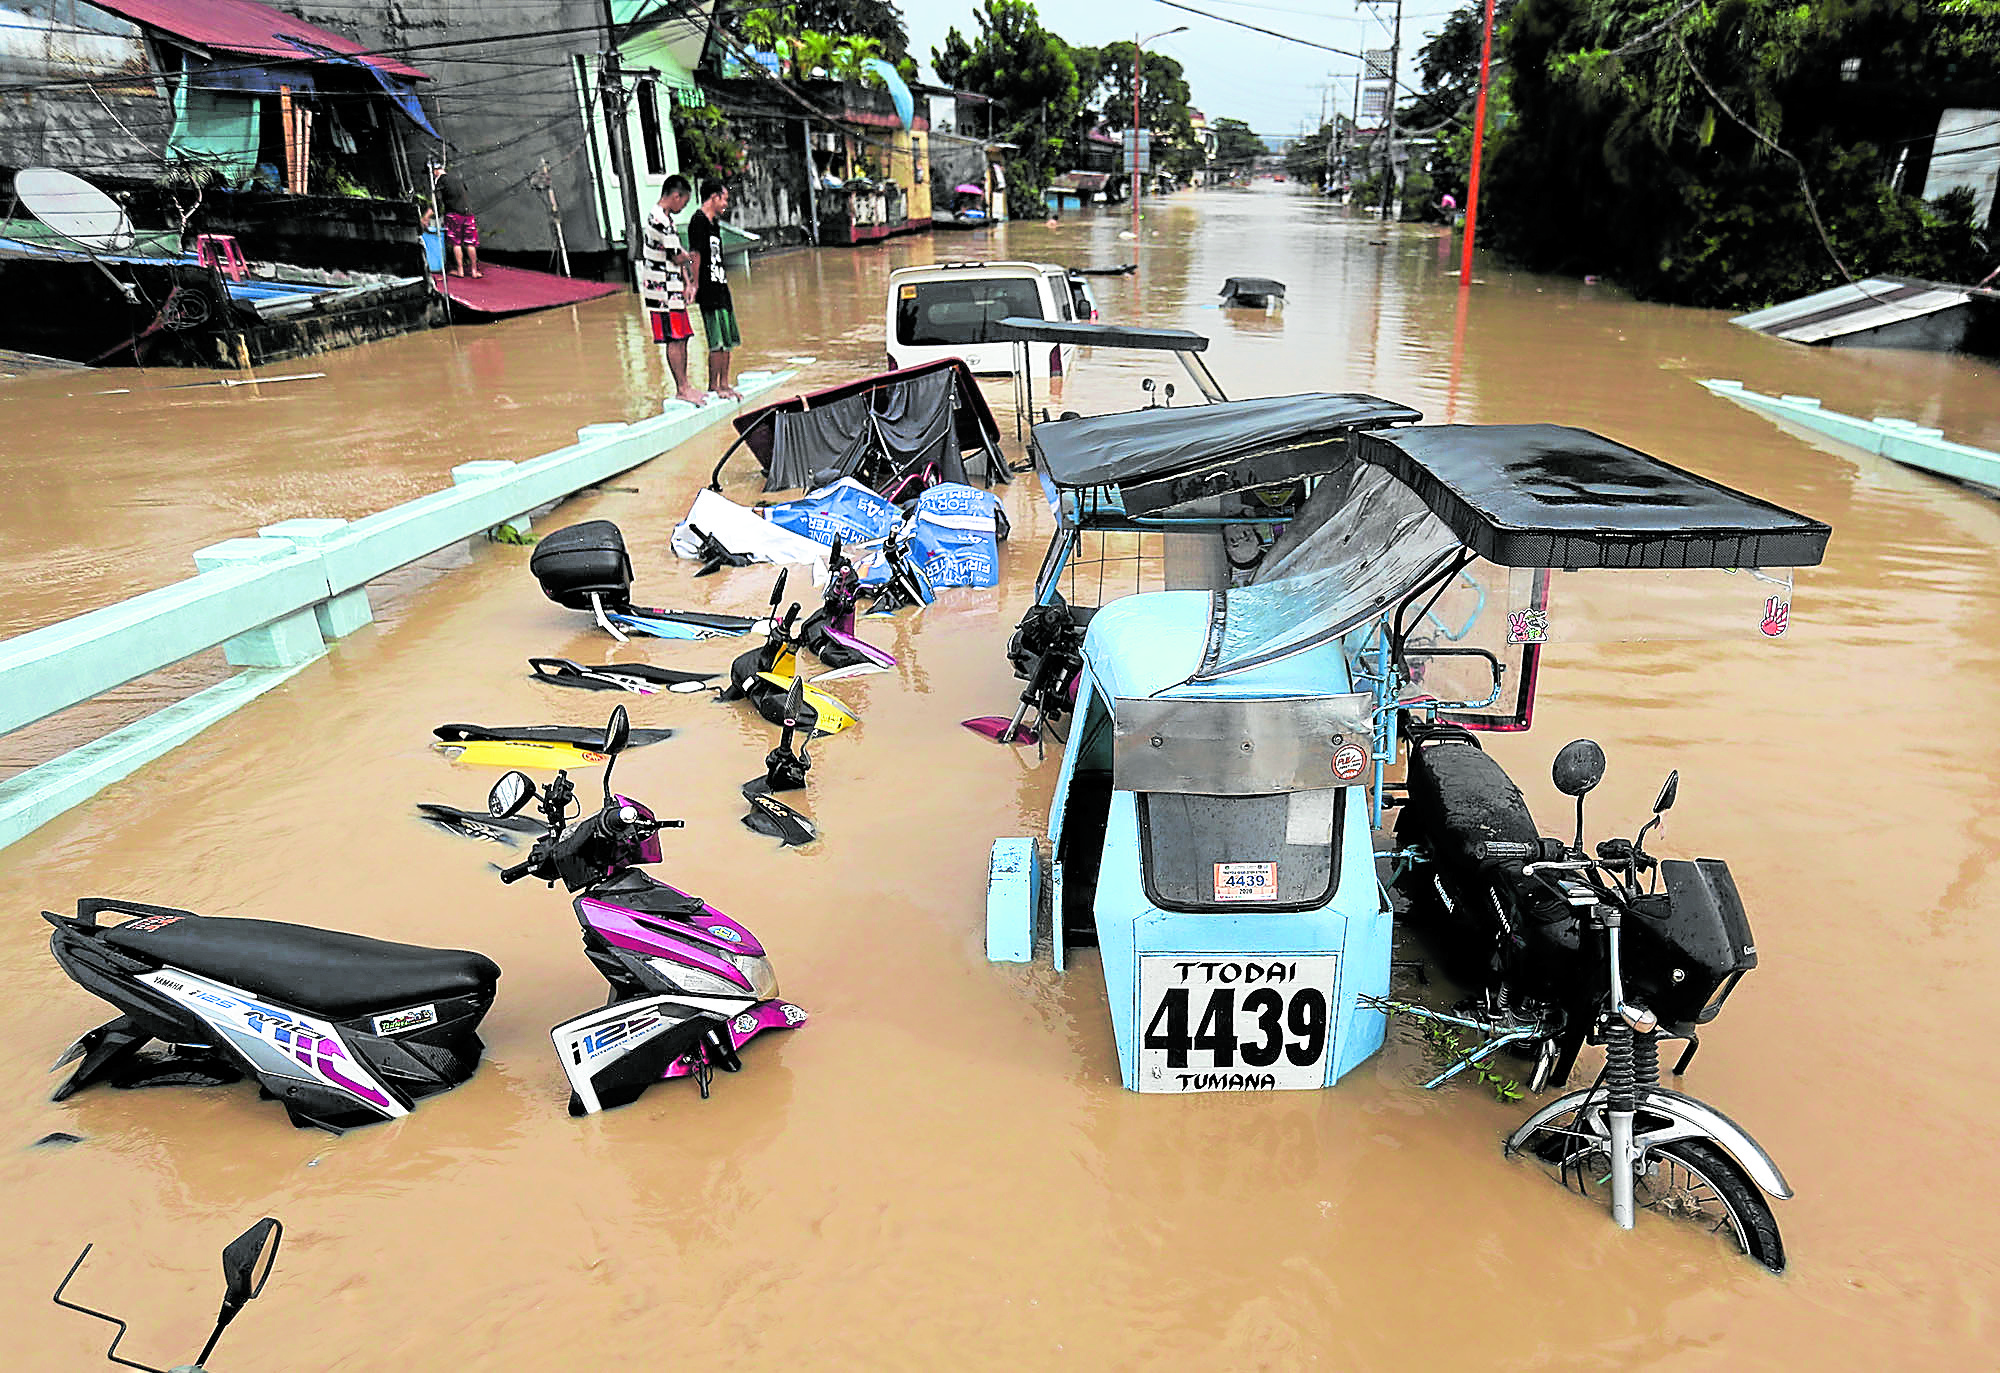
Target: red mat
x=516 y=290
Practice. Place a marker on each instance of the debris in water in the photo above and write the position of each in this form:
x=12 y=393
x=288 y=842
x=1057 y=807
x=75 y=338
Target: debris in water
x=56 y=1139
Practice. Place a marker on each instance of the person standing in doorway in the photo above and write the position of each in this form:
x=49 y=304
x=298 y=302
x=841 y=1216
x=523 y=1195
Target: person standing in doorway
x=461 y=229
x=663 y=276
x=718 y=311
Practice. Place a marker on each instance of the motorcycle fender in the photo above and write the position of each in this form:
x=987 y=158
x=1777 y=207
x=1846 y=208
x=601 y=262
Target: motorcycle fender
x=1689 y=1119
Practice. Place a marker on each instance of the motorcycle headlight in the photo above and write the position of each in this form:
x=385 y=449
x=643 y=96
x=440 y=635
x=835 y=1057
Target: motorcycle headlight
x=763 y=978
x=696 y=981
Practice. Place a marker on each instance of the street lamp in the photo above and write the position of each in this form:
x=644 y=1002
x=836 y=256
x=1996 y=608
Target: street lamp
x=1138 y=44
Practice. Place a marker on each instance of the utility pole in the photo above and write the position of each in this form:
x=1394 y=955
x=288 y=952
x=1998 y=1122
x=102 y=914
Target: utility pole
x=611 y=97
x=1389 y=196
x=1327 y=131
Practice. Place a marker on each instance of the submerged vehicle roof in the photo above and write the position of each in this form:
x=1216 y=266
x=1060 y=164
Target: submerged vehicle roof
x=1002 y=267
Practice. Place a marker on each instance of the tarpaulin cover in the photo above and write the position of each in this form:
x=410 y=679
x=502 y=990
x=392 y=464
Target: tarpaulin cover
x=244 y=26
x=916 y=415
x=1544 y=495
x=1086 y=333
x=847 y=510
x=744 y=531
x=1103 y=450
x=954 y=536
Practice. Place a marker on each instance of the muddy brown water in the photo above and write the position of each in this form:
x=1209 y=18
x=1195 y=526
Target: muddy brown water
x=941 y=1169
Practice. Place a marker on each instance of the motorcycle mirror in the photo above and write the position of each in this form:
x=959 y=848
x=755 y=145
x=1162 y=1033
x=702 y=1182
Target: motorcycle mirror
x=509 y=794
x=1168 y=391
x=1578 y=767
x=247 y=1259
x=617 y=732
x=778 y=591
x=1668 y=790
x=1146 y=385
x=833 y=554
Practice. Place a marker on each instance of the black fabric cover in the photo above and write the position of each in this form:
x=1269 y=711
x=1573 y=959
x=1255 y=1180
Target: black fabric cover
x=1102 y=450
x=1544 y=495
x=327 y=972
x=933 y=412
x=1095 y=334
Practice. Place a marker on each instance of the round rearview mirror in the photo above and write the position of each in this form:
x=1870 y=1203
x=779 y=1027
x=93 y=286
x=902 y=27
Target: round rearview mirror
x=1579 y=767
x=1148 y=384
x=247 y=1259
x=1168 y=390
x=1668 y=790
x=509 y=794
x=618 y=732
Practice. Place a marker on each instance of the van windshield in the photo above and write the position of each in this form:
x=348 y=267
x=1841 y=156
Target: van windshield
x=1274 y=851
x=962 y=311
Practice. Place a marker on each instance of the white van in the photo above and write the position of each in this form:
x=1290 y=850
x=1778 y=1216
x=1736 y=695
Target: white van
x=948 y=310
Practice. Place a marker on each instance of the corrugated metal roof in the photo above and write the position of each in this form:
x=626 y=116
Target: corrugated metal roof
x=246 y=27
x=1853 y=309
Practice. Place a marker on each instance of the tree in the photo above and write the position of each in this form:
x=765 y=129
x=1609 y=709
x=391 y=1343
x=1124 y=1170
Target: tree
x=1029 y=70
x=1236 y=147
x=1735 y=152
x=880 y=20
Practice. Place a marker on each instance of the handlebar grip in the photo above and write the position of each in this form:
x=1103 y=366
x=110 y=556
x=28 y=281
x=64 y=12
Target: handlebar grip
x=518 y=871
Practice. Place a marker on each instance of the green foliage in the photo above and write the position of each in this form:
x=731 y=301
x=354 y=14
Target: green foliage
x=1645 y=141
x=707 y=146
x=1445 y=1049
x=1030 y=71
x=1236 y=146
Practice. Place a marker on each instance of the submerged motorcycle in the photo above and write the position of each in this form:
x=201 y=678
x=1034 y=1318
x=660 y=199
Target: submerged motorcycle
x=247 y=1261
x=339 y=1029
x=689 y=986
x=1614 y=948
x=764 y=675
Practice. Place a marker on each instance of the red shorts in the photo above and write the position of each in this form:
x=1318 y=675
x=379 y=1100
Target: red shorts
x=670 y=326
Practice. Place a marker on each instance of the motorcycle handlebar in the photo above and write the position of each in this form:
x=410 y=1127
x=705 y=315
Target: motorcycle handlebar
x=518 y=871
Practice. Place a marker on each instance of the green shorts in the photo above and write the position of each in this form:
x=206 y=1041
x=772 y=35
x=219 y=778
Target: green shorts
x=721 y=328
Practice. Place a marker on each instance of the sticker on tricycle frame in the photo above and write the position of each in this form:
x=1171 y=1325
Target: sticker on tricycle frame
x=1213 y=1022
x=1246 y=882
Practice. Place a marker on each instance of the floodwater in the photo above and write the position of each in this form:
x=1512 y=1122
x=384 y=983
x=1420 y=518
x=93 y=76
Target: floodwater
x=941 y=1169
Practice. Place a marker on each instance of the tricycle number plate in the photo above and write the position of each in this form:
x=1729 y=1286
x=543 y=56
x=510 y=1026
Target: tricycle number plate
x=1212 y=1022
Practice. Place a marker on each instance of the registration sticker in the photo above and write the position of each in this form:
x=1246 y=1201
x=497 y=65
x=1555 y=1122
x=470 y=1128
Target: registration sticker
x=1246 y=881
x=907 y=293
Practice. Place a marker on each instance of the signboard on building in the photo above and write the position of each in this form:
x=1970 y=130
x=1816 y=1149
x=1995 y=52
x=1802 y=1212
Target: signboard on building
x=1378 y=63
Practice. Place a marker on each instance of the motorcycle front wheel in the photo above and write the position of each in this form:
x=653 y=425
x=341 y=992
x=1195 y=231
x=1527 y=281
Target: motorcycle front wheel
x=1686 y=1179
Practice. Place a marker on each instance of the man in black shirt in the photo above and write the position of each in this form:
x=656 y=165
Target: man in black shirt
x=711 y=295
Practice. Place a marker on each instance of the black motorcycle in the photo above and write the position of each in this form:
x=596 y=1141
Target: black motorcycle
x=1564 y=948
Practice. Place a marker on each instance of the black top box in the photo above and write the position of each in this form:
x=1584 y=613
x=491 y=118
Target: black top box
x=573 y=563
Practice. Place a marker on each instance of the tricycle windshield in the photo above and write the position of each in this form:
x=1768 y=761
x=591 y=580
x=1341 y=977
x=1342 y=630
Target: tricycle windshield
x=1270 y=852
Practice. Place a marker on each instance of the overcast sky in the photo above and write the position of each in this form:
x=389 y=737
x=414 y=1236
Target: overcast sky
x=1272 y=85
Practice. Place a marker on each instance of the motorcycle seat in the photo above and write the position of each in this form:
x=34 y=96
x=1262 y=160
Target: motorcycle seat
x=328 y=972
x=1463 y=799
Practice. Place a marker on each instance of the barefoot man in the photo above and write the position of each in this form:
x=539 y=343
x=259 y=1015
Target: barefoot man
x=663 y=271
x=718 y=312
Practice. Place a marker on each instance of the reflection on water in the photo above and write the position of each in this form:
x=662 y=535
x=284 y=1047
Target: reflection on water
x=942 y=1164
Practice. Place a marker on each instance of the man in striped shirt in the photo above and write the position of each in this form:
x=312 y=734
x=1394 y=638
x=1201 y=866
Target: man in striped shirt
x=663 y=291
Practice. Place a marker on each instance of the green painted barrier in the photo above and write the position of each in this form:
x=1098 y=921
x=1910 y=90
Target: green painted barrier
x=272 y=603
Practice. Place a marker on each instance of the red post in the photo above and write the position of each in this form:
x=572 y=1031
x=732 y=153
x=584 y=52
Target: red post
x=1135 y=137
x=1478 y=146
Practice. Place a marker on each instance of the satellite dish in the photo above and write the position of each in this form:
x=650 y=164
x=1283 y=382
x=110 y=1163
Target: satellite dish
x=74 y=208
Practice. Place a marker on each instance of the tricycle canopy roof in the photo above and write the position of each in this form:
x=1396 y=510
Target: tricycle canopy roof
x=1545 y=495
x=1087 y=334
x=1205 y=450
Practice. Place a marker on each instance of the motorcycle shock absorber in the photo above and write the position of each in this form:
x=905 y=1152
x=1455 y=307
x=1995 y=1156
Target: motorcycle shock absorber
x=1645 y=1063
x=1621 y=1094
